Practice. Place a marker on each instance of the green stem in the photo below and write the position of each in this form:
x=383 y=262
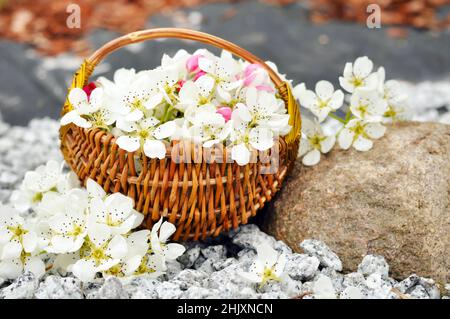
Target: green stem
x=167 y=114
x=337 y=118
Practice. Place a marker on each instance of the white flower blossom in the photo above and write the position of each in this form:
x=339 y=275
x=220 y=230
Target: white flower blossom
x=359 y=76
x=209 y=127
x=160 y=234
x=44 y=179
x=100 y=253
x=68 y=226
x=368 y=105
x=314 y=142
x=116 y=212
x=268 y=266
x=18 y=245
x=220 y=73
x=88 y=112
x=323 y=101
x=357 y=133
x=147 y=135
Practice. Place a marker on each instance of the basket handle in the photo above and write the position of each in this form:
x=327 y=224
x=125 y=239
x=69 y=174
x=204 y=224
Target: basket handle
x=82 y=76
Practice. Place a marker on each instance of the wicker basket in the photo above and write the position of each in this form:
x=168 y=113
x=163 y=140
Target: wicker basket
x=202 y=199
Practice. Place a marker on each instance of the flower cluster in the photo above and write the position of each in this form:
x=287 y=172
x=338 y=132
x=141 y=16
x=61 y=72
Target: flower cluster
x=198 y=97
x=372 y=102
x=83 y=231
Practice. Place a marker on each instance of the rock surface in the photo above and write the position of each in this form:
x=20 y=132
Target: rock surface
x=391 y=201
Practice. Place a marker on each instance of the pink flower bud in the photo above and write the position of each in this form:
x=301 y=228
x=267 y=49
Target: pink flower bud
x=250 y=73
x=192 y=63
x=199 y=74
x=225 y=111
x=89 y=88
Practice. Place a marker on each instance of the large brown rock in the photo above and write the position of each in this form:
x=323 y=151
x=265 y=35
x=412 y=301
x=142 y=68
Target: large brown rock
x=393 y=201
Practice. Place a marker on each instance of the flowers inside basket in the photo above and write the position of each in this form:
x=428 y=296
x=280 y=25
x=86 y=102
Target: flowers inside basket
x=199 y=97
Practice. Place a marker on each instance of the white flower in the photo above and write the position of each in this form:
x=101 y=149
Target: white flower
x=147 y=135
x=220 y=73
x=138 y=246
x=209 y=127
x=94 y=190
x=323 y=288
x=358 y=133
x=358 y=75
x=13 y=268
x=368 y=105
x=268 y=266
x=18 y=245
x=258 y=138
x=46 y=178
x=68 y=227
x=152 y=265
x=115 y=212
x=159 y=236
x=129 y=94
x=323 y=101
x=393 y=95
x=314 y=142
x=102 y=253
x=262 y=108
x=84 y=106
x=16 y=236
x=194 y=95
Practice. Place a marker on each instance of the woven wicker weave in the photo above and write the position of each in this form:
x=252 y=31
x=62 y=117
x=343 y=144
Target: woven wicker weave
x=202 y=199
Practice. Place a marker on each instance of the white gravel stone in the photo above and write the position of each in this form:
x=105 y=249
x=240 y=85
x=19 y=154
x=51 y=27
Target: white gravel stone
x=302 y=266
x=318 y=249
x=59 y=288
x=351 y=293
x=374 y=264
x=22 y=288
x=190 y=257
x=112 y=289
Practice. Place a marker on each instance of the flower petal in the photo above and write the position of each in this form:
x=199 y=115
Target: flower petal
x=324 y=90
x=10 y=269
x=240 y=154
x=375 y=130
x=362 y=144
x=84 y=270
x=155 y=149
x=345 y=138
x=261 y=138
x=327 y=144
x=165 y=130
x=173 y=250
x=35 y=265
x=311 y=158
x=11 y=250
x=362 y=67
x=128 y=143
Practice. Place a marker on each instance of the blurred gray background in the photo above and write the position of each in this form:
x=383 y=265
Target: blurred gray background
x=32 y=85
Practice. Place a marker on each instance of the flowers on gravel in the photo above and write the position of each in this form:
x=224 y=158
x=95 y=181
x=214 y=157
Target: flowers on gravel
x=80 y=230
x=18 y=245
x=199 y=97
x=372 y=102
x=268 y=266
